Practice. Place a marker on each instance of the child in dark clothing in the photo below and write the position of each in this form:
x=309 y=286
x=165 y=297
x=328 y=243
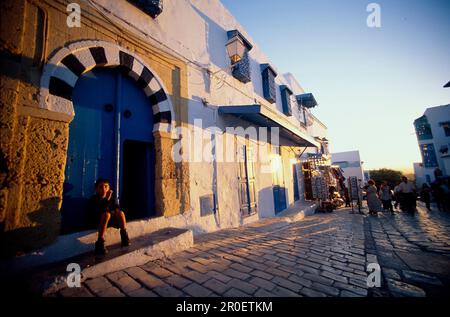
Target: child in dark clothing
x=104 y=211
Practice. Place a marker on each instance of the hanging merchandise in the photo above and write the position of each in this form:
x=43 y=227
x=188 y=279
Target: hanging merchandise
x=319 y=188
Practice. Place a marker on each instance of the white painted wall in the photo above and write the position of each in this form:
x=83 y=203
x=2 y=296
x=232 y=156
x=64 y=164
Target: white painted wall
x=196 y=32
x=435 y=116
x=350 y=157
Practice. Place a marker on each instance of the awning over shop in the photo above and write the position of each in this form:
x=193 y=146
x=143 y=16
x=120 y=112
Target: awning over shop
x=266 y=117
x=306 y=100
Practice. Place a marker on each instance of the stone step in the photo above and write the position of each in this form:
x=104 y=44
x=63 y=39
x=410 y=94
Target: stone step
x=149 y=247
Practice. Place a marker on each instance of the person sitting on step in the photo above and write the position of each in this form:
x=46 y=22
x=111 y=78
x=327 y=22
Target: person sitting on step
x=104 y=211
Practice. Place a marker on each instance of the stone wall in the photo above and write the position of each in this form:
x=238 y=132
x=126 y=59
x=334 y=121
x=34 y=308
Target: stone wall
x=34 y=140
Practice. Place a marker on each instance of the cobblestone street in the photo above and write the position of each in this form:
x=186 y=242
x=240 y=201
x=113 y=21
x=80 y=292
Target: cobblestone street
x=322 y=255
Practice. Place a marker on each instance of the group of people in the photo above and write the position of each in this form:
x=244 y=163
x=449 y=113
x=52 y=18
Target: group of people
x=404 y=195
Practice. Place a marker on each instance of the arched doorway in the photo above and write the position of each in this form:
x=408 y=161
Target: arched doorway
x=110 y=137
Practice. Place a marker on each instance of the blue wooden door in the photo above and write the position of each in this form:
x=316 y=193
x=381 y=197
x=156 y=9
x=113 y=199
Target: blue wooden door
x=137 y=151
x=247 y=188
x=97 y=147
x=295 y=180
x=279 y=191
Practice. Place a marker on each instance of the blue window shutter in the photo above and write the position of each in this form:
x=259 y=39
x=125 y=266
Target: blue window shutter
x=268 y=79
x=429 y=155
x=286 y=100
x=241 y=70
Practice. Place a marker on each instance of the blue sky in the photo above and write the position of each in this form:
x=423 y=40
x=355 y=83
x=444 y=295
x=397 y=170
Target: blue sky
x=370 y=83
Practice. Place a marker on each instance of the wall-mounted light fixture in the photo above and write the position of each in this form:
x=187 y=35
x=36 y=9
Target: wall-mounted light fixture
x=235 y=49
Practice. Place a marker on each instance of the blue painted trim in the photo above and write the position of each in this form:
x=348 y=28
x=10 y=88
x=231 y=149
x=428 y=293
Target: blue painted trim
x=306 y=100
x=250 y=109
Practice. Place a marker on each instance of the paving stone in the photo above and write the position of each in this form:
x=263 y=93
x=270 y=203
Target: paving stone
x=261 y=274
x=333 y=276
x=311 y=293
x=241 y=268
x=287 y=263
x=349 y=294
x=391 y=273
x=219 y=276
x=126 y=284
x=327 y=289
x=117 y=275
x=256 y=265
x=310 y=270
x=351 y=288
x=277 y=272
x=318 y=278
x=308 y=263
x=144 y=278
x=262 y=293
x=418 y=277
x=283 y=292
x=159 y=272
x=242 y=286
x=262 y=283
x=177 y=281
x=197 y=290
x=110 y=292
x=287 y=284
x=167 y=291
x=290 y=270
x=216 y=286
x=300 y=280
x=358 y=282
x=196 y=276
x=197 y=267
x=142 y=292
x=232 y=292
x=402 y=289
x=330 y=269
x=98 y=284
x=236 y=274
x=75 y=292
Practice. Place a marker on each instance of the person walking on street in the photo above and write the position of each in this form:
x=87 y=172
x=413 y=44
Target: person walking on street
x=346 y=196
x=436 y=191
x=397 y=195
x=425 y=195
x=386 y=196
x=373 y=202
x=407 y=195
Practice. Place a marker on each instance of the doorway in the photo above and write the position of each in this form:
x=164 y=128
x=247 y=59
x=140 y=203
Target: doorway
x=110 y=137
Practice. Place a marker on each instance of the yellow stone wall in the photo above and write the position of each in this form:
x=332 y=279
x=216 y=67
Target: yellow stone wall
x=34 y=140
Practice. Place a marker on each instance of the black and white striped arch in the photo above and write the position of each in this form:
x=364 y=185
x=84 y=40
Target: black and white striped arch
x=65 y=67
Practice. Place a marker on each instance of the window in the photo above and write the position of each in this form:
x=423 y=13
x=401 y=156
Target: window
x=286 y=100
x=428 y=155
x=446 y=127
x=444 y=149
x=268 y=79
x=423 y=128
x=304 y=116
x=241 y=70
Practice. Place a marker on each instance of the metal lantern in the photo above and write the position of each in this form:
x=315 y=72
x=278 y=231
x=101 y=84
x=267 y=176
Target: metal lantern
x=235 y=49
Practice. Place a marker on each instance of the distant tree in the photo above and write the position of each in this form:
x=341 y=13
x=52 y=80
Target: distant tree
x=385 y=174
